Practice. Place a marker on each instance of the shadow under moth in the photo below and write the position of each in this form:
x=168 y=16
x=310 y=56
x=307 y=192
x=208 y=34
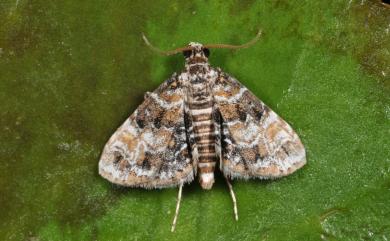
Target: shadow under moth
x=194 y=122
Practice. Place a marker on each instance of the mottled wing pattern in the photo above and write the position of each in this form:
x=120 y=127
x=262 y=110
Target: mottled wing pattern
x=255 y=141
x=150 y=149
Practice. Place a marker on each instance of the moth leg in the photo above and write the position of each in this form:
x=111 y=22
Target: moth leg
x=233 y=198
x=177 y=207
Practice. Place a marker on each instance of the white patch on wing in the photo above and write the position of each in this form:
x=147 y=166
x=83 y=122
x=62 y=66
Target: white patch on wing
x=271 y=118
x=116 y=173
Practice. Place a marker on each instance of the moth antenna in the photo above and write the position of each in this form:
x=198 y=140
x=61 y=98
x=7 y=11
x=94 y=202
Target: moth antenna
x=229 y=46
x=164 y=52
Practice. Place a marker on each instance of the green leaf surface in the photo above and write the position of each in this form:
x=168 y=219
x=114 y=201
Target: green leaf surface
x=72 y=71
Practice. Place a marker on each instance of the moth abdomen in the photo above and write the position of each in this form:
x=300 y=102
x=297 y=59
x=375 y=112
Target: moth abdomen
x=201 y=111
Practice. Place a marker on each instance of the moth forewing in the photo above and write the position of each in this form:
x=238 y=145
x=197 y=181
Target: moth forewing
x=150 y=149
x=257 y=142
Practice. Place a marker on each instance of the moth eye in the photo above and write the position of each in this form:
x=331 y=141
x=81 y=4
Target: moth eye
x=187 y=53
x=206 y=52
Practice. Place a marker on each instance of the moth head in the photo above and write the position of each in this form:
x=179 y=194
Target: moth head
x=196 y=51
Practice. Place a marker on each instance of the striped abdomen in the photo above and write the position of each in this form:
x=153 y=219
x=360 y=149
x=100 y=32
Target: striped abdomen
x=201 y=108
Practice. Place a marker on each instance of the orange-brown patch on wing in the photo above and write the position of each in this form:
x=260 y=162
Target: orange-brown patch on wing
x=232 y=92
x=273 y=130
x=229 y=111
x=133 y=178
x=155 y=112
x=171 y=98
x=235 y=168
x=129 y=140
x=171 y=116
x=162 y=138
x=272 y=170
x=262 y=150
x=248 y=154
x=155 y=160
x=141 y=156
x=281 y=154
x=172 y=143
x=122 y=164
x=237 y=132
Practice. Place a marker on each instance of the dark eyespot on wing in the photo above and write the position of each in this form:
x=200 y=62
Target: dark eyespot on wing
x=140 y=123
x=241 y=113
x=157 y=121
x=146 y=164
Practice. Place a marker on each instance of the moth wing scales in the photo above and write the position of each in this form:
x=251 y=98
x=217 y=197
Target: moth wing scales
x=150 y=148
x=255 y=141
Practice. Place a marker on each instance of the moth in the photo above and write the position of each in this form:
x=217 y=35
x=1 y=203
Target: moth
x=194 y=122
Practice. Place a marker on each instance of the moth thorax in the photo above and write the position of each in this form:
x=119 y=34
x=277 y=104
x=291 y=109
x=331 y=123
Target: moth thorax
x=206 y=180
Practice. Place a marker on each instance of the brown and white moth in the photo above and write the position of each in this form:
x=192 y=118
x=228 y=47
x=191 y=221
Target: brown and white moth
x=195 y=121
